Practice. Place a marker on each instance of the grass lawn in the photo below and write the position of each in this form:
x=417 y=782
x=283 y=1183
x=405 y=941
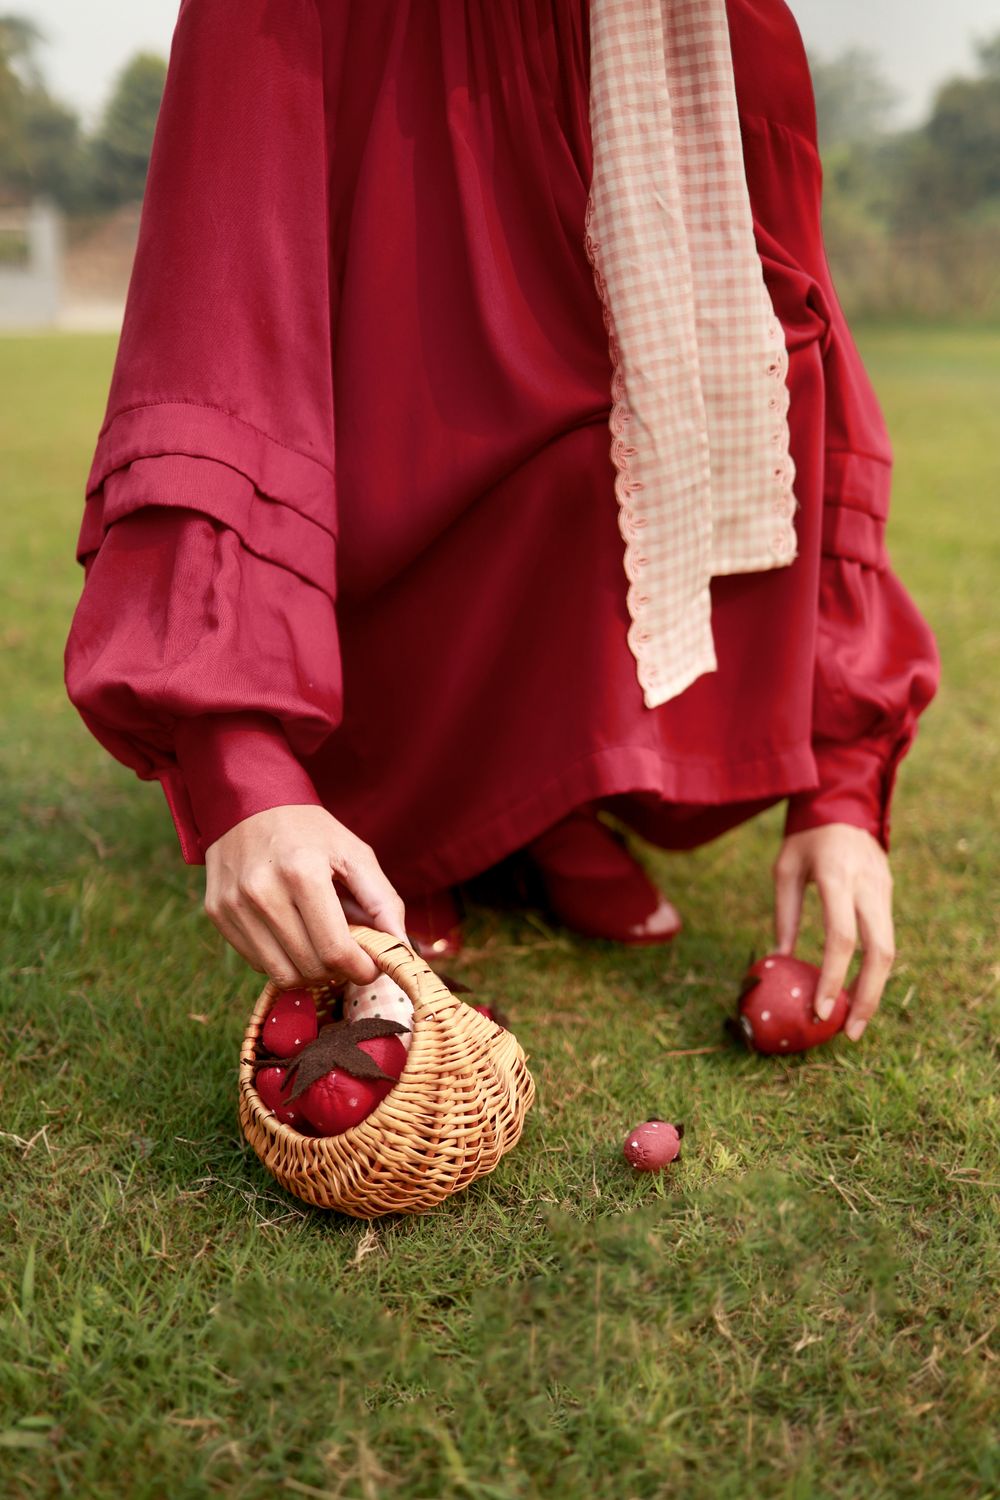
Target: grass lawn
x=805 y=1306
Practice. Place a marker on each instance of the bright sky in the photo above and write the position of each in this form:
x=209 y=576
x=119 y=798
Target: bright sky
x=919 y=42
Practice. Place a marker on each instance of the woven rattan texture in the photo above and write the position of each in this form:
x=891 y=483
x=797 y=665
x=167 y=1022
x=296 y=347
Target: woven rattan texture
x=458 y=1106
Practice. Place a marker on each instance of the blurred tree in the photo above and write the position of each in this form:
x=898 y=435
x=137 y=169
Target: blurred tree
x=958 y=168
x=41 y=150
x=912 y=217
x=122 y=143
x=19 y=38
x=853 y=97
x=55 y=149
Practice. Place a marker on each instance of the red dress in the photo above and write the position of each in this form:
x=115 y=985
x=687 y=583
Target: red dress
x=350 y=534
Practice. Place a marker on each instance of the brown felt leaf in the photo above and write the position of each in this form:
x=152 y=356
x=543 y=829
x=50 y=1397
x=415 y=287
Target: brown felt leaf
x=336 y=1046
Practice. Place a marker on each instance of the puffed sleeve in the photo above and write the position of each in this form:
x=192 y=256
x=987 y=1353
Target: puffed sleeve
x=877 y=664
x=877 y=668
x=203 y=651
x=201 y=665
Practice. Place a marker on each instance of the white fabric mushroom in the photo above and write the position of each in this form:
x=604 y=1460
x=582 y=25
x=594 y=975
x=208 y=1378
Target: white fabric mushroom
x=383 y=997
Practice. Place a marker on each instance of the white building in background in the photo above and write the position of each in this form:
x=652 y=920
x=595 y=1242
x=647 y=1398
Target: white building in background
x=31 y=266
x=41 y=288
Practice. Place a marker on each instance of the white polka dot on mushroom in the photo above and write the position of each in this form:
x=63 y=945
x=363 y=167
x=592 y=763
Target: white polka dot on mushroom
x=765 y=1015
x=796 y=991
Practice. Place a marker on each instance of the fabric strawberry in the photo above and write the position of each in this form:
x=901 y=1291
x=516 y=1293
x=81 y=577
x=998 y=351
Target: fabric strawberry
x=339 y=1100
x=775 y=1011
x=270 y=1084
x=291 y=1023
x=341 y=1075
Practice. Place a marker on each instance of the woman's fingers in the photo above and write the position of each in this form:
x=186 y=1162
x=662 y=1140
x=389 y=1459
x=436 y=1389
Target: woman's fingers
x=270 y=892
x=363 y=876
x=851 y=872
x=323 y=916
x=789 y=874
x=273 y=959
x=306 y=926
x=253 y=940
x=874 y=909
x=841 y=937
x=237 y=937
x=295 y=943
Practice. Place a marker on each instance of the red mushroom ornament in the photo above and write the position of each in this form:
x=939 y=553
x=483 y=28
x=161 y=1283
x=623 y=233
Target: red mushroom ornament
x=653 y=1145
x=775 y=1009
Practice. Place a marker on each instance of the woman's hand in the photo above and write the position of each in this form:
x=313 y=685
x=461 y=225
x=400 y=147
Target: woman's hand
x=269 y=890
x=851 y=871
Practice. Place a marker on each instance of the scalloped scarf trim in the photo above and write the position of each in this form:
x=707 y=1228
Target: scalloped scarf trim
x=699 y=417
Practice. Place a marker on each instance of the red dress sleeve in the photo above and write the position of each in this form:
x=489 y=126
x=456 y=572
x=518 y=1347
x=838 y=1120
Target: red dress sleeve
x=877 y=663
x=197 y=663
x=203 y=651
x=877 y=668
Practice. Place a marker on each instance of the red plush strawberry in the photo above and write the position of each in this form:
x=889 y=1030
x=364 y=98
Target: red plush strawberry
x=339 y=1100
x=652 y=1145
x=291 y=1022
x=270 y=1085
x=775 y=1007
x=342 y=1074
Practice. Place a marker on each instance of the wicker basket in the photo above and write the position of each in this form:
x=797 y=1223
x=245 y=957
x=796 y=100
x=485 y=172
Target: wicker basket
x=458 y=1106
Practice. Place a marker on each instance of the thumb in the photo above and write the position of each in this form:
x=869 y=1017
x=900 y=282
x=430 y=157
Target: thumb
x=789 y=884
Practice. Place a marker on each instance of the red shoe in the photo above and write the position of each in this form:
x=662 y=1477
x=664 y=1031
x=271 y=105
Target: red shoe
x=593 y=885
x=433 y=923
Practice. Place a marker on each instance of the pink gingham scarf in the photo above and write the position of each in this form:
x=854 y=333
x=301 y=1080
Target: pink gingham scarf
x=699 y=416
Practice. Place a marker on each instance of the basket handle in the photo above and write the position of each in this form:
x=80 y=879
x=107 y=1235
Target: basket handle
x=411 y=972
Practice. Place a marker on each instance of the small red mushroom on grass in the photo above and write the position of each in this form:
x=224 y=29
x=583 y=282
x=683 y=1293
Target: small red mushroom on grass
x=653 y=1145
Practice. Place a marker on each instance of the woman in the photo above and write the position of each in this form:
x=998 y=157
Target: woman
x=354 y=588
